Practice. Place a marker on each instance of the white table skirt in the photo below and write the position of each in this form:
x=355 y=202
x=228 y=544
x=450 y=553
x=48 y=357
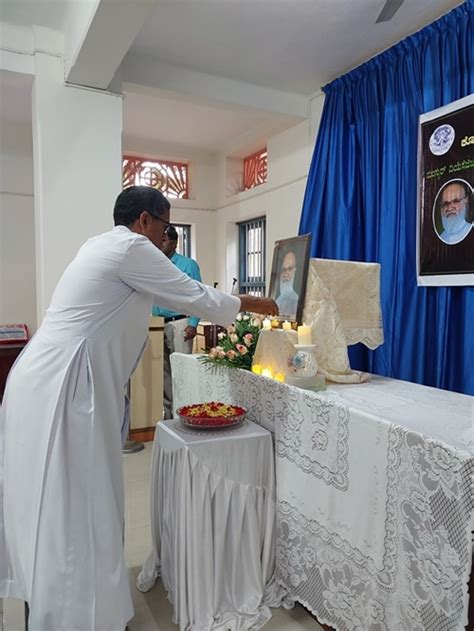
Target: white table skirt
x=375 y=495
x=213 y=526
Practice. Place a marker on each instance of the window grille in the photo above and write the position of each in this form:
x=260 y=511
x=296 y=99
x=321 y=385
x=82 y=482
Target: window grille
x=252 y=257
x=171 y=178
x=184 y=239
x=255 y=169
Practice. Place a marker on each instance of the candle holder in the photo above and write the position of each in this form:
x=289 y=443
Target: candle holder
x=302 y=368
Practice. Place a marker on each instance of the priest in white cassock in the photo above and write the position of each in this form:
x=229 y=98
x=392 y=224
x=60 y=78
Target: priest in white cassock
x=61 y=424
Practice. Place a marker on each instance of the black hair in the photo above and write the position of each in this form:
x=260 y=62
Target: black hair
x=133 y=200
x=172 y=233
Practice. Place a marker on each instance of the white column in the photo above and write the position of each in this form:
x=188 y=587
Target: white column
x=77 y=152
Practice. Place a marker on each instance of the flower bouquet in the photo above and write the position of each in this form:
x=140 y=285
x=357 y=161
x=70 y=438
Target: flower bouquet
x=236 y=347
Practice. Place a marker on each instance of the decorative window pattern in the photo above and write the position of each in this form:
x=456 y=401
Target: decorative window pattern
x=252 y=257
x=171 y=178
x=255 y=169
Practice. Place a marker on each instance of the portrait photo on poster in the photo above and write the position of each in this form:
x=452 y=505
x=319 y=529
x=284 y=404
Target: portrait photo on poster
x=452 y=211
x=289 y=276
x=445 y=234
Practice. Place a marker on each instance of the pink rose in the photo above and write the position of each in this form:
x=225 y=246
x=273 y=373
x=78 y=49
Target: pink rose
x=231 y=354
x=241 y=348
x=248 y=339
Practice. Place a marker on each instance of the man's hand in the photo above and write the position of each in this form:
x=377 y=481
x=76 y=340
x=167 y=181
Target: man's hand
x=254 y=304
x=189 y=333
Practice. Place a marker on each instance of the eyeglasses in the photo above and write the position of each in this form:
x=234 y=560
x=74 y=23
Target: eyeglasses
x=453 y=202
x=167 y=224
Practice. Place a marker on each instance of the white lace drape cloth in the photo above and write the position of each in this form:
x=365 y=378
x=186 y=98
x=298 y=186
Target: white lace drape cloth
x=375 y=496
x=342 y=306
x=321 y=313
x=356 y=289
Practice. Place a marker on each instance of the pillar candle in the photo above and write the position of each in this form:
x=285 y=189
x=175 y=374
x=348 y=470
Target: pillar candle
x=286 y=326
x=267 y=325
x=304 y=335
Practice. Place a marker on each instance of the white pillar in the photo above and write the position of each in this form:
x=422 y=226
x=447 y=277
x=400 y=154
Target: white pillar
x=77 y=152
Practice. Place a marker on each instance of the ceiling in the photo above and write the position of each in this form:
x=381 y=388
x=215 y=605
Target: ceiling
x=291 y=45
x=50 y=13
x=154 y=117
x=170 y=120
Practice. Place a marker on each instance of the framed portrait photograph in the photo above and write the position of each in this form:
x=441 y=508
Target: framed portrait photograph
x=289 y=276
x=445 y=235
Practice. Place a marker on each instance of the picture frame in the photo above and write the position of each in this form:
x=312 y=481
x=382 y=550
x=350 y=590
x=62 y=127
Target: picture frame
x=289 y=276
x=445 y=205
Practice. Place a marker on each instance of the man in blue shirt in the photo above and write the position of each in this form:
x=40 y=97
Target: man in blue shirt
x=179 y=329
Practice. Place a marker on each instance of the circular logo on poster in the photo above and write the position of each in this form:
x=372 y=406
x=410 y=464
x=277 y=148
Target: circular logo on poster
x=441 y=140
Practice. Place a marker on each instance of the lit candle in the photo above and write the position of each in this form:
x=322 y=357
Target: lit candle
x=266 y=372
x=286 y=326
x=279 y=376
x=274 y=322
x=267 y=325
x=304 y=335
x=257 y=369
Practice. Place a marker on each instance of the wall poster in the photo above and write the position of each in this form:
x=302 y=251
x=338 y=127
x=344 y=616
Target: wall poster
x=445 y=237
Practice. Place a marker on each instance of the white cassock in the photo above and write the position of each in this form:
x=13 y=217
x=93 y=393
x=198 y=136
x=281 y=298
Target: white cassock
x=62 y=511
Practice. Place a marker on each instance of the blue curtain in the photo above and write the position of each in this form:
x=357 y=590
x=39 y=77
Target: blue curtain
x=360 y=200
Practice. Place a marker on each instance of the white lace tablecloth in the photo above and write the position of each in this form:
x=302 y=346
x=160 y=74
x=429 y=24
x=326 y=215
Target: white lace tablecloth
x=375 y=494
x=213 y=526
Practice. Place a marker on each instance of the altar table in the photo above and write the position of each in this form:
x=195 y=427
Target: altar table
x=375 y=495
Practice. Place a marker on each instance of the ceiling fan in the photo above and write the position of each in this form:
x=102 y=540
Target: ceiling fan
x=388 y=10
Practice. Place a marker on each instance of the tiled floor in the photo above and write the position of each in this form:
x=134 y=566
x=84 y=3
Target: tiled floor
x=153 y=612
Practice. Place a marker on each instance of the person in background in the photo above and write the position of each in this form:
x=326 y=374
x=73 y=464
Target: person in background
x=180 y=330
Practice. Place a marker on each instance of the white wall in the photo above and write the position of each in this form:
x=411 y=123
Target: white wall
x=214 y=216
x=17 y=231
x=77 y=148
x=279 y=199
x=199 y=211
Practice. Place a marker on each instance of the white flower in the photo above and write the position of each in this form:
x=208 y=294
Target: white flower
x=234 y=338
x=245 y=317
x=239 y=317
x=221 y=335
